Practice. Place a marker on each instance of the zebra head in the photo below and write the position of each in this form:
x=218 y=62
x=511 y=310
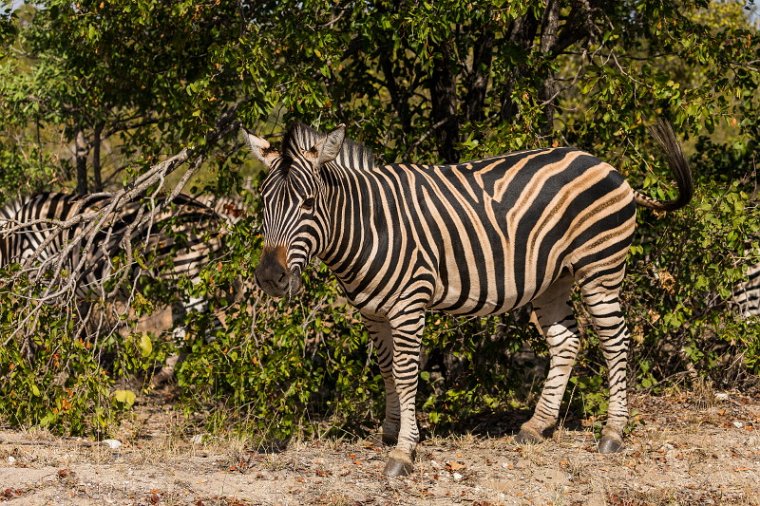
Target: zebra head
x=292 y=194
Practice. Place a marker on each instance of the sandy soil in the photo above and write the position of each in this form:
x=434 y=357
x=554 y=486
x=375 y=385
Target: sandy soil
x=678 y=453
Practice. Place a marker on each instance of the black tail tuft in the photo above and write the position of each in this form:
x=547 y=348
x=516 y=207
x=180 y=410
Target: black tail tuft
x=663 y=133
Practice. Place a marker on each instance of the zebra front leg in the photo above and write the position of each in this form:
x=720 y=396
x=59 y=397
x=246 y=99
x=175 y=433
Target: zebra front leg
x=555 y=320
x=407 y=329
x=382 y=337
x=603 y=305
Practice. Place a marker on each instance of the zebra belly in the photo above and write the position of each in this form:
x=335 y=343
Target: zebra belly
x=484 y=301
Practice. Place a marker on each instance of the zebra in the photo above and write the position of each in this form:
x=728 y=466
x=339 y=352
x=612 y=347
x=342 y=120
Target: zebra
x=181 y=238
x=476 y=238
x=746 y=294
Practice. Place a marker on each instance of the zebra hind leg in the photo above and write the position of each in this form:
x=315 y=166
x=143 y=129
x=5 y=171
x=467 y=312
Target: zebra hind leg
x=601 y=300
x=554 y=314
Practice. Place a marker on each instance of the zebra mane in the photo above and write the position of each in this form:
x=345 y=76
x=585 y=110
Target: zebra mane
x=353 y=155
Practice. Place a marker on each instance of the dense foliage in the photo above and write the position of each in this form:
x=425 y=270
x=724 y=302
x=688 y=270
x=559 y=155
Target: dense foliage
x=92 y=93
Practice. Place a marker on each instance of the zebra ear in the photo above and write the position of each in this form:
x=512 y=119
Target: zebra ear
x=328 y=147
x=261 y=148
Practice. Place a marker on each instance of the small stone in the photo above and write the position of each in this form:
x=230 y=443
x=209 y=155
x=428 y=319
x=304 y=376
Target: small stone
x=113 y=444
x=457 y=477
x=738 y=424
x=721 y=396
x=11 y=460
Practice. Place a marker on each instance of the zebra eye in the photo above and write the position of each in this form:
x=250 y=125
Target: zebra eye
x=308 y=204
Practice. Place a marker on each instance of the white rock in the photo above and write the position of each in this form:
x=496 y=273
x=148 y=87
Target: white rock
x=112 y=443
x=11 y=460
x=738 y=424
x=721 y=396
x=457 y=477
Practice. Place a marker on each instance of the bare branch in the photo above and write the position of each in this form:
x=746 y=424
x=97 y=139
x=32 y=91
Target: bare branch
x=57 y=276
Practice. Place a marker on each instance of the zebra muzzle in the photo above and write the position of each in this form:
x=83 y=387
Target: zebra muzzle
x=273 y=276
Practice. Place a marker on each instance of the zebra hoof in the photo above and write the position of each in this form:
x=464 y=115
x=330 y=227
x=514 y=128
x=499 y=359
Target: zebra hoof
x=528 y=436
x=398 y=464
x=390 y=439
x=610 y=444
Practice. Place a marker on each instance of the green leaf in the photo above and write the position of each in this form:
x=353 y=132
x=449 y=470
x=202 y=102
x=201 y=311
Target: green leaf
x=125 y=397
x=145 y=345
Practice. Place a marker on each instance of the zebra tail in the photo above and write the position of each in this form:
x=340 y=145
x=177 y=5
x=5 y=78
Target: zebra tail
x=662 y=132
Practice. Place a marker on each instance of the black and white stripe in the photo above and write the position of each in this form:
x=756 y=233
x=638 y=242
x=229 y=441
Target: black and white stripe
x=746 y=295
x=477 y=238
x=178 y=239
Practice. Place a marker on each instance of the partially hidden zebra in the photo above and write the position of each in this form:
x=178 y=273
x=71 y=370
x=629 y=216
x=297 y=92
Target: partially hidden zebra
x=179 y=239
x=477 y=238
x=746 y=294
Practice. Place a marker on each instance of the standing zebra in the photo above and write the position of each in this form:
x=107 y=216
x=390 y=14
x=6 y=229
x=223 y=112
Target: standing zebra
x=179 y=238
x=477 y=238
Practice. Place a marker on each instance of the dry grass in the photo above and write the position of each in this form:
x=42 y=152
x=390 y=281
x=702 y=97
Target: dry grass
x=681 y=452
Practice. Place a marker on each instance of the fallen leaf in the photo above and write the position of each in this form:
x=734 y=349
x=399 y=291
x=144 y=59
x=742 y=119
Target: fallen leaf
x=10 y=493
x=454 y=465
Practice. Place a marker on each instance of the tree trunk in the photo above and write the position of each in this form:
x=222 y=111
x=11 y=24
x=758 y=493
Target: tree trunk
x=398 y=97
x=477 y=83
x=97 y=177
x=521 y=36
x=549 y=26
x=443 y=95
x=81 y=162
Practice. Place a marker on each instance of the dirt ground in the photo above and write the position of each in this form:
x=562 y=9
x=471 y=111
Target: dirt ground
x=681 y=451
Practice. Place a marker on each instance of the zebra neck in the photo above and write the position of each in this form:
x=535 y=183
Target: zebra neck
x=356 y=222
